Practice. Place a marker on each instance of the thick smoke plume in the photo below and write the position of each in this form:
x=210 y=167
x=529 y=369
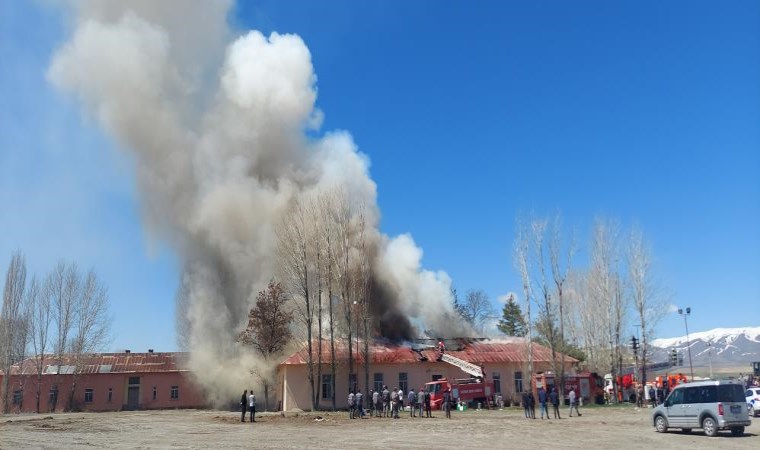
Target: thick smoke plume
x=216 y=123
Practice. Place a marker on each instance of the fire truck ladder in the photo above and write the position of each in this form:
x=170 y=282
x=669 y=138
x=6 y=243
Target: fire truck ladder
x=470 y=368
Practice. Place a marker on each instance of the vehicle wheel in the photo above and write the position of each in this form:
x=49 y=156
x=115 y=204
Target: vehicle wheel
x=756 y=413
x=660 y=424
x=737 y=431
x=686 y=430
x=710 y=427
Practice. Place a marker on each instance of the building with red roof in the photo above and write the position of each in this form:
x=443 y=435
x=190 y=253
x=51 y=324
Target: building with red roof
x=504 y=363
x=104 y=382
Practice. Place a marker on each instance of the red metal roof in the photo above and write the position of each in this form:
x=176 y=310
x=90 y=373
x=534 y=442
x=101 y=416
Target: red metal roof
x=474 y=352
x=109 y=363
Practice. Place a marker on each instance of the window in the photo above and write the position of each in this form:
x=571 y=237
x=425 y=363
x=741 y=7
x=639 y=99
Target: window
x=678 y=396
x=706 y=394
x=154 y=392
x=134 y=380
x=53 y=396
x=17 y=397
x=729 y=393
x=497 y=382
x=437 y=377
x=175 y=393
x=518 y=382
x=403 y=381
x=378 y=382
x=327 y=386
x=110 y=395
x=352 y=384
x=88 y=395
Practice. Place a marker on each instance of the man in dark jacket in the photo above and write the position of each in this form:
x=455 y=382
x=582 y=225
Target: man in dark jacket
x=428 y=409
x=554 y=397
x=526 y=407
x=447 y=403
x=243 y=405
x=542 y=402
x=532 y=405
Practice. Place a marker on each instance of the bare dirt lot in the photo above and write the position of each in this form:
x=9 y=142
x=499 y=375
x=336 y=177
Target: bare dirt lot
x=599 y=427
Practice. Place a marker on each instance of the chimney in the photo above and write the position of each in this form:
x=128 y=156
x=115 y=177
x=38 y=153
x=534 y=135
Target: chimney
x=150 y=350
x=127 y=351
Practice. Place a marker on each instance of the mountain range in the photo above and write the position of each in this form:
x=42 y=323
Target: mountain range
x=725 y=346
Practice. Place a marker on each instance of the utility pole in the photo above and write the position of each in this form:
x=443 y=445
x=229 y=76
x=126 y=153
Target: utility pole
x=685 y=315
x=709 y=356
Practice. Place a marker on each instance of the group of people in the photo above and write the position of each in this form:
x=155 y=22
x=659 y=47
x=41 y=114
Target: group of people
x=388 y=403
x=544 y=398
x=248 y=404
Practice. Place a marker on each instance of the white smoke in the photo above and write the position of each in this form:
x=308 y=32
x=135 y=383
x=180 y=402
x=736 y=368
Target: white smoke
x=220 y=153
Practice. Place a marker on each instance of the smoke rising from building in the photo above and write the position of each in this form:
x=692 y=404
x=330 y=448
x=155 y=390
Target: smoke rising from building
x=216 y=124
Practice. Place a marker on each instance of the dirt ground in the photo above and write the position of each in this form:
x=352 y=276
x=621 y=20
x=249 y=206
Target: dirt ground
x=599 y=427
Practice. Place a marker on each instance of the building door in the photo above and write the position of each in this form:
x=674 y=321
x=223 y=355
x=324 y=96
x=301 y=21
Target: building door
x=133 y=393
x=133 y=397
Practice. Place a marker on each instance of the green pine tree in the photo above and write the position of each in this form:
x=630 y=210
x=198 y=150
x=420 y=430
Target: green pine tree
x=512 y=322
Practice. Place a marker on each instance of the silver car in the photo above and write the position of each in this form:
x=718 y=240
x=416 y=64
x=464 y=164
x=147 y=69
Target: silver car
x=710 y=405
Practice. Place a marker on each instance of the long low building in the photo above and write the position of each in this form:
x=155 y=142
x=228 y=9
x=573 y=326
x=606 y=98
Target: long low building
x=504 y=363
x=104 y=382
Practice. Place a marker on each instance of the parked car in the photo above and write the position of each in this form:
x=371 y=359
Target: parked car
x=753 y=401
x=709 y=405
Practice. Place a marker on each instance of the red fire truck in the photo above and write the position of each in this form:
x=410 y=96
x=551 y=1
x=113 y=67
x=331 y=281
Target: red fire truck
x=468 y=390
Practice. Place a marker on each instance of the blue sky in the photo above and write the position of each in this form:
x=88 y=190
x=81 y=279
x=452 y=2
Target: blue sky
x=647 y=112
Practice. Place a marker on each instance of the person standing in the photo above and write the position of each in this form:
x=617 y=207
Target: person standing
x=400 y=399
x=428 y=410
x=350 y=404
x=412 y=398
x=243 y=405
x=532 y=404
x=394 y=403
x=421 y=400
x=652 y=398
x=375 y=410
x=526 y=407
x=554 y=398
x=542 y=401
x=447 y=403
x=573 y=402
x=359 y=400
x=386 y=401
x=252 y=405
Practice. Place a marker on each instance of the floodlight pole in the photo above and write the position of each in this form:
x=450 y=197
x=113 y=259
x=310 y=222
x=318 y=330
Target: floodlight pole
x=685 y=315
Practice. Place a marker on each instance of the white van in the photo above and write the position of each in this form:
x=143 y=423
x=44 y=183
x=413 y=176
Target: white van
x=710 y=405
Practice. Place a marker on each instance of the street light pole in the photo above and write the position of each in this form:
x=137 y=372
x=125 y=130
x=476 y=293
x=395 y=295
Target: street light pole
x=688 y=344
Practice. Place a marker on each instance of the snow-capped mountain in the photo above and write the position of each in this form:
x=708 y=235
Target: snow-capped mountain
x=727 y=346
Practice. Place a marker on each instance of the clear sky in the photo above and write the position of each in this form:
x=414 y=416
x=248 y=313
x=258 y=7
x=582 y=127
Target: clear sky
x=471 y=112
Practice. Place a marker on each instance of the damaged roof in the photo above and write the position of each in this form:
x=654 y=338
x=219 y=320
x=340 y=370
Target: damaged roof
x=107 y=363
x=477 y=352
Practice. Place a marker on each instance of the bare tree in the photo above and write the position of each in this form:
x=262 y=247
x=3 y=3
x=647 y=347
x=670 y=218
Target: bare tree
x=648 y=301
x=521 y=260
x=477 y=309
x=91 y=325
x=13 y=322
x=294 y=239
x=605 y=285
x=41 y=317
x=364 y=295
x=561 y=257
x=341 y=220
x=326 y=202
x=268 y=329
